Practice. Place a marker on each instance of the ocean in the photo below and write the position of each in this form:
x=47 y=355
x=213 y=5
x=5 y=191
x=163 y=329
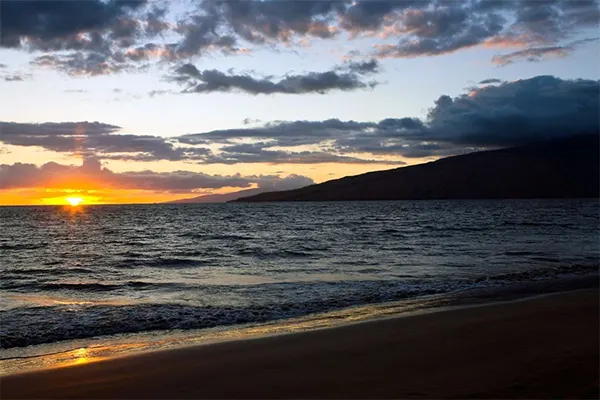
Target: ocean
x=102 y=271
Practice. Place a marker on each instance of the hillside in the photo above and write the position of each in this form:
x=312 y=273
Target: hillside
x=218 y=198
x=563 y=168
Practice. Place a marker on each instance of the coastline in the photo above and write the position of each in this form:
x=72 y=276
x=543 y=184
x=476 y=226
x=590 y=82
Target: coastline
x=83 y=351
x=526 y=339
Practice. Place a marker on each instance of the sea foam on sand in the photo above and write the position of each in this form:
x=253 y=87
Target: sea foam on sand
x=540 y=347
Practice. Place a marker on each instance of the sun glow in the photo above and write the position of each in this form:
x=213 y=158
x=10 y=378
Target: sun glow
x=73 y=201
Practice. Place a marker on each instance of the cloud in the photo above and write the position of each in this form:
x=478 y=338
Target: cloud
x=145 y=52
x=365 y=67
x=91 y=175
x=91 y=37
x=104 y=141
x=537 y=54
x=517 y=112
x=86 y=138
x=75 y=91
x=346 y=77
x=155 y=23
x=199 y=35
x=533 y=54
x=372 y=15
x=52 y=25
x=250 y=121
x=90 y=63
x=545 y=22
x=441 y=31
x=276 y=21
x=78 y=63
x=456 y=25
x=160 y=92
x=424 y=27
x=389 y=137
x=487 y=116
x=260 y=153
x=99 y=37
x=490 y=81
x=9 y=129
x=293 y=181
x=286 y=133
x=509 y=113
x=13 y=78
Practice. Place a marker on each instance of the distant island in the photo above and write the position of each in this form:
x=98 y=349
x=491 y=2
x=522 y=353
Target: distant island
x=560 y=168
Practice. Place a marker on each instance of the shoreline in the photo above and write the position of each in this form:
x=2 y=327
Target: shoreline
x=80 y=351
x=544 y=346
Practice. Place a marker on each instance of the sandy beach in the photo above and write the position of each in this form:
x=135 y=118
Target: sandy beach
x=542 y=347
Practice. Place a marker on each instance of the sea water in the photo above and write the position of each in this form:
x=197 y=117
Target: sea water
x=70 y=273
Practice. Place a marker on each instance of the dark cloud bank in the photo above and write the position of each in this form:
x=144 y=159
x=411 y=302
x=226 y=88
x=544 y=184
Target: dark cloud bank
x=81 y=37
x=96 y=37
x=496 y=115
x=499 y=115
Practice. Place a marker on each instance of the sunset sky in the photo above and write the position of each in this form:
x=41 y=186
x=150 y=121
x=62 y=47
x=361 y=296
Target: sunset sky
x=122 y=101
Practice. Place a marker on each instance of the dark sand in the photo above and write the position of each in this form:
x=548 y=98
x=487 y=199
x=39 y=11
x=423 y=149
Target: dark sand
x=545 y=347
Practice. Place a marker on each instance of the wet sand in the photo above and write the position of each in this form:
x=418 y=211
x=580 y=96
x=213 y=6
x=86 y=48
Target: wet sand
x=543 y=347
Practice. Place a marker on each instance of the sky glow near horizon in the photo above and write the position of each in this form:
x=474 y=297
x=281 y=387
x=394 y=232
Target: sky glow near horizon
x=153 y=101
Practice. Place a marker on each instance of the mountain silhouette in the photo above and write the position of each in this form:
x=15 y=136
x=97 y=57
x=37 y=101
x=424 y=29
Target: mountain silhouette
x=560 y=168
x=218 y=198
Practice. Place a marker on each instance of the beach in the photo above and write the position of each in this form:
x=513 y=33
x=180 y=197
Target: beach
x=539 y=347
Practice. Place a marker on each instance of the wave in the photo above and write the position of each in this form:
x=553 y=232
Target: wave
x=23 y=246
x=452 y=228
x=546 y=259
x=208 y=236
x=35 y=325
x=194 y=253
x=262 y=253
x=39 y=325
x=370 y=270
x=89 y=286
x=160 y=262
x=317 y=247
x=539 y=273
x=395 y=233
x=462 y=229
x=296 y=253
x=520 y=253
x=48 y=271
x=530 y=223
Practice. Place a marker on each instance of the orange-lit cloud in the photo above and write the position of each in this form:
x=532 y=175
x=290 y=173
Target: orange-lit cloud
x=41 y=196
x=536 y=54
x=51 y=183
x=507 y=41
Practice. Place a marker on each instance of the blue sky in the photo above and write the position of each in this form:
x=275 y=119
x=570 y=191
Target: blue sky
x=210 y=59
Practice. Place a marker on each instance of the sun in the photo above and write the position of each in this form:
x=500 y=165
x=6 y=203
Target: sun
x=74 y=201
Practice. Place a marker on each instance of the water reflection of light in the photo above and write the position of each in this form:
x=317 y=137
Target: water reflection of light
x=81 y=355
x=74 y=209
x=42 y=300
x=164 y=340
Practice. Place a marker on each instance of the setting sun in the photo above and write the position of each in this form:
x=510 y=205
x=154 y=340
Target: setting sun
x=74 y=201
